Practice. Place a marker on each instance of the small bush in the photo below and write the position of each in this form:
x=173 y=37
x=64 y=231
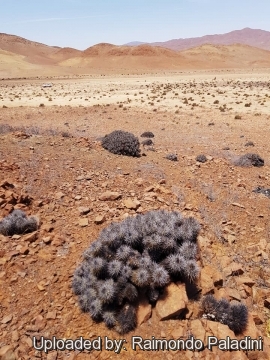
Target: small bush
x=233 y=315
x=201 y=158
x=121 y=143
x=65 y=134
x=260 y=190
x=172 y=157
x=18 y=223
x=148 y=134
x=147 y=142
x=249 y=160
x=238 y=117
x=249 y=143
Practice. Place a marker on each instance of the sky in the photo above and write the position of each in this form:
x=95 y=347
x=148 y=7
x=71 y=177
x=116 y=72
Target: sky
x=84 y=23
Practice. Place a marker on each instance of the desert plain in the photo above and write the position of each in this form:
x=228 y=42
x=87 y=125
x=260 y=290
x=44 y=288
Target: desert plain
x=53 y=166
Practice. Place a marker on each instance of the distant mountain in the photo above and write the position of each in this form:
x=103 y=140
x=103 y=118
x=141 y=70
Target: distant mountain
x=252 y=37
x=104 y=49
x=135 y=43
x=22 y=57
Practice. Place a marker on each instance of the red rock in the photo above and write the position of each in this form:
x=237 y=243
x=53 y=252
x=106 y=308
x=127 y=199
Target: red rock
x=144 y=311
x=51 y=315
x=109 y=195
x=258 y=318
x=251 y=329
x=7 y=319
x=52 y=355
x=149 y=188
x=197 y=330
x=267 y=303
x=31 y=237
x=233 y=269
x=245 y=280
x=99 y=219
x=233 y=294
x=139 y=181
x=15 y=335
x=83 y=222
x=24 y=250
x=40 y=322
x=206 y=281
x=131 y=204
x=7 y=353
x=172 y=302
x=83 y=210
x=47 y=240
x=59 y=195
x=180 y=331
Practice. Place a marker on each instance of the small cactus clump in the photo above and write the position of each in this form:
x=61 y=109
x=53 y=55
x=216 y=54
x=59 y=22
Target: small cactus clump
x=233 y=315
x=172 y=157
x=148 y=134
x=147 y=142
x=249 y=160
x=121 y=143
x=201 y=158
x=142 y=253
x=18 y=223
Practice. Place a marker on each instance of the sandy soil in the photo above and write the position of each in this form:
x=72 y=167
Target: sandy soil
x=62 y=166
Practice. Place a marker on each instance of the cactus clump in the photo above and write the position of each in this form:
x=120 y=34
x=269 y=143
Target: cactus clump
x=142 y=253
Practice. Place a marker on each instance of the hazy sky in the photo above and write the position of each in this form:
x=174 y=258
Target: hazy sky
x=83 y=23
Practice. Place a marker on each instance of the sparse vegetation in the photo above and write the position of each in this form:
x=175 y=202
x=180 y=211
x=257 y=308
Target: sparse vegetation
x=143 y=252
x=234 y=315
x=201 y=158
x=248 y=160
x=147 y=134
x=18 y=223
x=121 y=143
x=172 y=157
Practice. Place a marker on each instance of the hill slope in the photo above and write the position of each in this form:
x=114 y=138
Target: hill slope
x=21 y=57
x=252 y=37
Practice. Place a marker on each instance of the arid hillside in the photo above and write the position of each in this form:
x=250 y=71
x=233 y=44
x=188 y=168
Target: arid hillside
x=201 y=141
x=23 y=58
x=252 y=37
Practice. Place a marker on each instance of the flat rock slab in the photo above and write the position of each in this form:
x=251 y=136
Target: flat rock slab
x=132 y=204
x=109 y=195
x=99 y=219
x=6 y=353
x=83 y=210
x=83 y=222
x=172 y=302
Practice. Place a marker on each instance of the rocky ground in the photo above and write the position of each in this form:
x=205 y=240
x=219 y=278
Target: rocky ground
x=53 y=166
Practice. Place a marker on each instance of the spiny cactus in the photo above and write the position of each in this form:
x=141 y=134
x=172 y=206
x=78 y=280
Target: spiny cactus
x=201 y=158
x=233 y=315
x=147 y=142
x=172 y=157
x=18 y=223
x=248 y=160
x=142 y=253
x=121 y=143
